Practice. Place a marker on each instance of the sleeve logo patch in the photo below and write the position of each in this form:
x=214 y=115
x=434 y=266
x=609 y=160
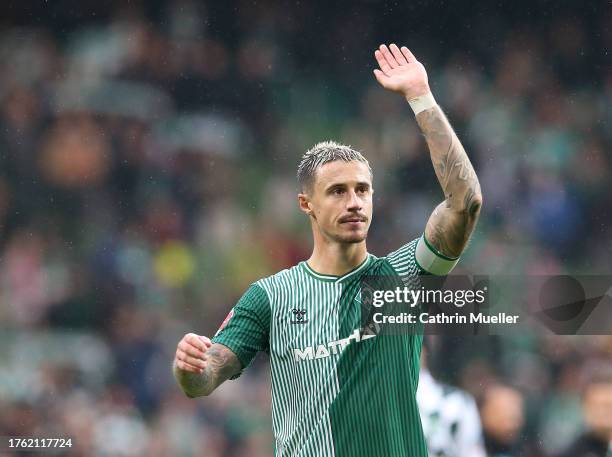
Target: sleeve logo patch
x=225 y=321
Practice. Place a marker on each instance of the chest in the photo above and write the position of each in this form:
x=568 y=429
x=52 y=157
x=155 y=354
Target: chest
x=306 y=318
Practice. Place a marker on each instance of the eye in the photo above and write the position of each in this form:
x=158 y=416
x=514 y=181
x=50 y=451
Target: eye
x=338 y=191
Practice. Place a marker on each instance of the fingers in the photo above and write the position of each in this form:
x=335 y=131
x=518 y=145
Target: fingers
x=192 y=361
x=200 y=342
x=191 y=353
x=189 y=358
x=388 y=56
x=184 y=366
x=394 y=57
x=382 y=62
x=189 y=363
x=381 y=77
x=205 y=340
x=191 y=350
x=399 y=57
x=409 y=55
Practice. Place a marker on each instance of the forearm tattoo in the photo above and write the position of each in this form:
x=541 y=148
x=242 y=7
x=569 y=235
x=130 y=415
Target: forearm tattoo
x=221 y=364
x=452 y=222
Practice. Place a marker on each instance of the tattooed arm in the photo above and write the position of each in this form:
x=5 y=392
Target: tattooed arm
x=201 y=366
x=451 y=223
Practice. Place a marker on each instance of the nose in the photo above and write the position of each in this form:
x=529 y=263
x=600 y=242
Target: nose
x=354 y=203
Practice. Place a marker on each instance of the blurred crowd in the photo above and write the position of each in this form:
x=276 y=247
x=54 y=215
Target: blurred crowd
x=147 y=176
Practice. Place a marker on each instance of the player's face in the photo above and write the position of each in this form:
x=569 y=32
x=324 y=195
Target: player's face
x=341 y=201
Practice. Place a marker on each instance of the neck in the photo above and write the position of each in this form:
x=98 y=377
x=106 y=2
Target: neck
x=334 y=258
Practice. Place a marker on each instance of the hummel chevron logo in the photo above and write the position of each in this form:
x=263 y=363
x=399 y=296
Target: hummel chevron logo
x=299 y=316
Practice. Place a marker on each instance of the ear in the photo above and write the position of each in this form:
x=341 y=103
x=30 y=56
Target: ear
x=304 y=203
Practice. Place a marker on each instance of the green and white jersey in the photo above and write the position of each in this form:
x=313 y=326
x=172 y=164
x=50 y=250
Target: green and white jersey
x=335 y=390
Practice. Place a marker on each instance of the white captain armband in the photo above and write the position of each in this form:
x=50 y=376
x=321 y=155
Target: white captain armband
x=432 y=261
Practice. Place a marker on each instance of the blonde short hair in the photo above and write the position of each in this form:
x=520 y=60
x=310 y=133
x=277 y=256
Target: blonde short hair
x=322 y=153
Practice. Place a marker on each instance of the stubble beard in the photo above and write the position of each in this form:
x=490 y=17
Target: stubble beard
x=351 y=238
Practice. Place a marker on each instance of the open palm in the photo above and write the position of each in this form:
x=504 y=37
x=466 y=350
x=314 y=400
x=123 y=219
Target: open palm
x=400 y=71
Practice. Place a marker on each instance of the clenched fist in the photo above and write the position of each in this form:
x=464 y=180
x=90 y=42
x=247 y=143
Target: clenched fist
x=400 y=71
x=191 y=353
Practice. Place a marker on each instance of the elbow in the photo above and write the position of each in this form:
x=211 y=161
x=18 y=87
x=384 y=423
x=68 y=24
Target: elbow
x=189 y=393
x=206 y=393
x=475 y=205
x=472 y=201
x=192 y=384
x=194 y=394
x=468 y=206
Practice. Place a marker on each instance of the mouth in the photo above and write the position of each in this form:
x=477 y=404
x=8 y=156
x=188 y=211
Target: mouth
x=353 y=220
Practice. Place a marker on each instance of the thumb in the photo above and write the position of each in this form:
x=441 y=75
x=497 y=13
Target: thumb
x=381 y=77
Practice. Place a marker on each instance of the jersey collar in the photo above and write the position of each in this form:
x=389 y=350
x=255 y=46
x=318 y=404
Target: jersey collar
x=335 y=278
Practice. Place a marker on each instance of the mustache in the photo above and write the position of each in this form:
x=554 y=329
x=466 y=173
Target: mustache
x=353 y=217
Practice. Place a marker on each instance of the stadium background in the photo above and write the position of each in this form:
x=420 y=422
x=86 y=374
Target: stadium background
x=147 y=176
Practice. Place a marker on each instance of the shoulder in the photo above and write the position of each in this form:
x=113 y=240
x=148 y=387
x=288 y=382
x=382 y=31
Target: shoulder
x=404 y=255
x=403 y=260
x=283 y=280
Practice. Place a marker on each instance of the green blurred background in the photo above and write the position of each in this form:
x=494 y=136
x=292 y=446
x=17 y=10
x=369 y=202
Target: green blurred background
x=147 y=176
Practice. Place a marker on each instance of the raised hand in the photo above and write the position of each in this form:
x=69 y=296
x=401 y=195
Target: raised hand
x=400 y=71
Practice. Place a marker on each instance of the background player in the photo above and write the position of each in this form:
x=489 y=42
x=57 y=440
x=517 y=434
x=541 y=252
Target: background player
x=329 y=381
x=596 y=439
x=450 y=418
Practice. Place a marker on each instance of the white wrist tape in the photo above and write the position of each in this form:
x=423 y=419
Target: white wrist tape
x=422 y=102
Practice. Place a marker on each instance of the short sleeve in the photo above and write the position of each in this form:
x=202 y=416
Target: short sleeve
x=403 y=260
x=419 y=257
x=245 y=330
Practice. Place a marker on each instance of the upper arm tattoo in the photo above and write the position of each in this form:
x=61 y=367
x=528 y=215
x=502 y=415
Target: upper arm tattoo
x=452 y=222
